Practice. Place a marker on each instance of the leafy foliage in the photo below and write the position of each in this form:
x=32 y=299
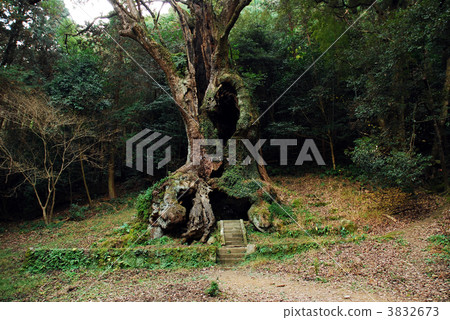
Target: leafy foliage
x=78 y=84
x=77 y=212
x=388 y=168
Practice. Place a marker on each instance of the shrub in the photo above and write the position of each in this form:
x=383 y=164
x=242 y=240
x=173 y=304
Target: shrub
x=213 y=290
x=388 y=168
x=77 y=213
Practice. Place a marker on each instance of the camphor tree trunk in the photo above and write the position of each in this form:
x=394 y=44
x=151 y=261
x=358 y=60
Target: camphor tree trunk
x=213 y=103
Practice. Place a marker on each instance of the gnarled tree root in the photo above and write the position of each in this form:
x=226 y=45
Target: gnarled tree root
x=183 y=205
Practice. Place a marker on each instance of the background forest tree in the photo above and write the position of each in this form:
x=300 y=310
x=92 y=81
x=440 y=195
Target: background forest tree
x=376 y=103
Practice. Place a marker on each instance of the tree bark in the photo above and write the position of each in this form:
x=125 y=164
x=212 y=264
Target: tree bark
x=111 y=175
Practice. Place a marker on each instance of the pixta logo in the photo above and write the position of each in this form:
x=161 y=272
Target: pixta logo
x=308 y=150
x=148 y=144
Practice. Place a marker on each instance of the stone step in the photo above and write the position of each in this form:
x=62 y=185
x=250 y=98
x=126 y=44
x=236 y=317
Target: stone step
x=240 y=240
x=234 y=235
x=231 y=260
x=234 y=243
x=231 y=255
x=232 y=250
x=235 y=239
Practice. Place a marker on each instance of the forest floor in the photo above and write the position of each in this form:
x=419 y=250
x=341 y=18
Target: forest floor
x=404 y=257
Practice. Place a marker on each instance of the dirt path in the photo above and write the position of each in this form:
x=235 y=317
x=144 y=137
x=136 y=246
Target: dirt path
x=417 y=232
x=247 y=285
x=241 y=284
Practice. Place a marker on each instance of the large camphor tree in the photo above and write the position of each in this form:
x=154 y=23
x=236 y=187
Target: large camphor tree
x=214 y=103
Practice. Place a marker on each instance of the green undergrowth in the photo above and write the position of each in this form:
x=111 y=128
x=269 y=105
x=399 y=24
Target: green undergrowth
x=77 y=214
x=440 y=246
x=144 y=200
x=287 y=250
x=43 y=260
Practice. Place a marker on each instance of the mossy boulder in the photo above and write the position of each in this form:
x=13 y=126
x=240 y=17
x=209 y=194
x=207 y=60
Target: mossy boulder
x=260 y=216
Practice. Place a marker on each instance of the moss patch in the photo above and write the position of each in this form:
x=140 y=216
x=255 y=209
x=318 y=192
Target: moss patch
x=144 y=200
x=235 y=182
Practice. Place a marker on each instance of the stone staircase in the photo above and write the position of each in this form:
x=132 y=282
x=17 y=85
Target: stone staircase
x=234 y=242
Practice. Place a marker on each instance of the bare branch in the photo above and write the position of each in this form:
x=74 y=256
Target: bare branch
x=89 y=26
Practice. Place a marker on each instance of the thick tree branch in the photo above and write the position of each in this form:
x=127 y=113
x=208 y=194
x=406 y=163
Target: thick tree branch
x=134 y=28
x=233 y=15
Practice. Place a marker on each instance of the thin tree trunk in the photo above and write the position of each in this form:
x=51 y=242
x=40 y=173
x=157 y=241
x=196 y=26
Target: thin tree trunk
x=84 y=181
x=70 y=190
x=330 y=141
x=441 y=154
x=16 y=29
x=111 y=175
x=52 y=204
x=44 y=214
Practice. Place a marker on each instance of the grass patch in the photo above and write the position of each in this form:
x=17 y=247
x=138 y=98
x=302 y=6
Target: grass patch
x=282 y=212
x=440 y=246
